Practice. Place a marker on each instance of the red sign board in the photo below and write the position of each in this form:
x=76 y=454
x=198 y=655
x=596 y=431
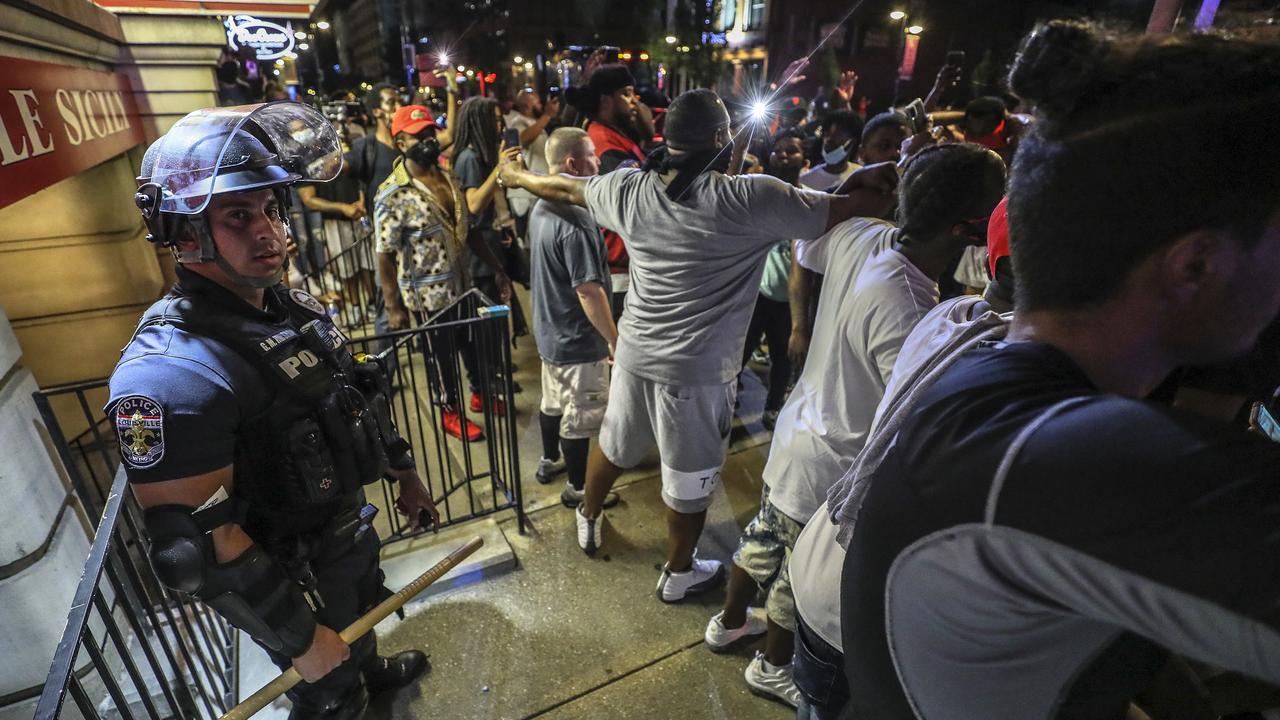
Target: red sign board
x=908 y=67
x=57 y=121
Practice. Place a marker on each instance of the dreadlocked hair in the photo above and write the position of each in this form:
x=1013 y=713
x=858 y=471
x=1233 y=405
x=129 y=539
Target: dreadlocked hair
x=948 y=184
x=1138 y=140
x=477 y=129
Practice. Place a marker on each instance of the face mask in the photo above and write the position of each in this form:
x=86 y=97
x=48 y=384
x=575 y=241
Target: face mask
x=837 y=156
x=426 y=153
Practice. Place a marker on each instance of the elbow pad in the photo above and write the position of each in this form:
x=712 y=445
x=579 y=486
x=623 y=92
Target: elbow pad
x=252 y=591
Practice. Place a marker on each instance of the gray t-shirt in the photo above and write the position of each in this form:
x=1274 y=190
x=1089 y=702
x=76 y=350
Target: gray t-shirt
x=696 y=265
x=566 y=251
x=471 y=173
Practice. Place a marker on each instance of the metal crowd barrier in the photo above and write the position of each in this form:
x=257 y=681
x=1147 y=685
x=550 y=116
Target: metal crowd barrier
x=130 y=648
x=467 y=479
x=133 y=649
x=345 y=281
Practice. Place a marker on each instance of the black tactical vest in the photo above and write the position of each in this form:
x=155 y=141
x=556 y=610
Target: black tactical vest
x=326 y=432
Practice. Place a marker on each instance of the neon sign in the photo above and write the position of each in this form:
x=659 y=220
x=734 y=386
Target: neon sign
x=269 y=40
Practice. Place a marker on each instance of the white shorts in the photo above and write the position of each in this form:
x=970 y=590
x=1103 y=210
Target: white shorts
x=577 y=394
x=690 y=425
x=340 y=236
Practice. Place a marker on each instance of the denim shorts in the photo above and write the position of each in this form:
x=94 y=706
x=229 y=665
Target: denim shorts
x=819 y=674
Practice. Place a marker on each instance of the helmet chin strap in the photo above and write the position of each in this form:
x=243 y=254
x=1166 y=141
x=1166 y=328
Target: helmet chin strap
x=246 y=281
x=208 y=252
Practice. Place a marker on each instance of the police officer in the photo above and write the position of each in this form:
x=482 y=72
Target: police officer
x=246 y=426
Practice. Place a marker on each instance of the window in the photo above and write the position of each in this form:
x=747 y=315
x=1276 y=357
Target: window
x=728 y=14
x=755 y=14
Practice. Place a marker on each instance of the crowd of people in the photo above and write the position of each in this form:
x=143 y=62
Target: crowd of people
x=1014 y=473
x=1022 y=359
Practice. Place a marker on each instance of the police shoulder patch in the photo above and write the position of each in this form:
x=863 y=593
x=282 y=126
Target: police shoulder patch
x=304 y=299
x=140 y=426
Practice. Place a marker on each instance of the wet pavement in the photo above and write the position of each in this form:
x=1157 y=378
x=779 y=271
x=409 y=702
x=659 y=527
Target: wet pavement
x=567 y=636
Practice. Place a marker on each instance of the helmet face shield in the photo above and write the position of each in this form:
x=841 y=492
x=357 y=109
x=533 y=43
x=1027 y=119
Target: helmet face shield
x=234 y=149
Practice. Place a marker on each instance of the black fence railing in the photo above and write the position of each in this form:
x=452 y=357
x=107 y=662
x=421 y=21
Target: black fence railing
x=130 y=648
x=467 y=478
x=337 y=264
x=133 y=649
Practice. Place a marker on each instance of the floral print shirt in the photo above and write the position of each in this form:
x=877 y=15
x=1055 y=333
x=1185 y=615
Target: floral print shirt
x=412 y=224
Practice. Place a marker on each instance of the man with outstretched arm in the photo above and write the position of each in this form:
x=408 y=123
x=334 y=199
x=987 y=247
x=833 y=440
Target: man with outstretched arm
x=698 y=239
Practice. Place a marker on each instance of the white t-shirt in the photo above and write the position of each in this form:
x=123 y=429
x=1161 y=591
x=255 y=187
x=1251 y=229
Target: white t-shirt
x=535 y=158
x=696 y=265
x=819 y=178
x=872 y=296
x=818 y=558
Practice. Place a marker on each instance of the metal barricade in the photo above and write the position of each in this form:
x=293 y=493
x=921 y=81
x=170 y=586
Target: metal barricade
x=341 y=271
x=130 y=648
x=146 y=652
x=468 y=479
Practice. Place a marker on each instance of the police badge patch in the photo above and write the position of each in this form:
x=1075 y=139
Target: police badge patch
x=140 y=425
x=303 y=298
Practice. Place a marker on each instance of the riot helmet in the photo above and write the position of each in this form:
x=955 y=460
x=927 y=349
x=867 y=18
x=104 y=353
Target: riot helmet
x=228 y=150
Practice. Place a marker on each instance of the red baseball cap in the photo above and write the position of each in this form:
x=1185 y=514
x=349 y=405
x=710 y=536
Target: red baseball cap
x=411 y=119
x=998 y=235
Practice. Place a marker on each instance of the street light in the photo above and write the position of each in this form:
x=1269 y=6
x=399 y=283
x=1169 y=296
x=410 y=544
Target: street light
x=518 y=60
x=915 y=30
x=897 y=15
x=462 y=68
x=671 y=39
x=303 y=46
x=528 y=66
x=300 y=35
x=323 y=24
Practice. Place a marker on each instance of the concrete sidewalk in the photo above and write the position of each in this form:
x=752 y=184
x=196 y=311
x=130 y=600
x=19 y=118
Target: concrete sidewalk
x=566 y=636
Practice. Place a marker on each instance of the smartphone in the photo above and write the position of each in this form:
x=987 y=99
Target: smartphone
x=1264 y=422
x=955 y=59
x=510 y=138
x=917 y=115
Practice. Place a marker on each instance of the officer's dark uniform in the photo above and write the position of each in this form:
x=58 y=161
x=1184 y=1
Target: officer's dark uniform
x=208 y=381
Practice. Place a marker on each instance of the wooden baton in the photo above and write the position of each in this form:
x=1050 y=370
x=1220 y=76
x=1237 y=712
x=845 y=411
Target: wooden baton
x=287 y=679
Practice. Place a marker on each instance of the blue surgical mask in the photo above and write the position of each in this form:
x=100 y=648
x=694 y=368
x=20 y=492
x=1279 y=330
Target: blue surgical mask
x=837 y=156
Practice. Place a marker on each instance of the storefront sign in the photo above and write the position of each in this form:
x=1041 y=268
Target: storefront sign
x=268 y=39
x=909 y=52
x=57 y=121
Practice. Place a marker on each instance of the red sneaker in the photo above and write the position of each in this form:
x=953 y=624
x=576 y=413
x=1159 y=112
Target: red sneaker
x=477 y=405
x=453 y=426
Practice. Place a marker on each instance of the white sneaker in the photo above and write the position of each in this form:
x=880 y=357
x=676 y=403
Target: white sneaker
x=548 y=469
x=590 y=532
x=702 y=575
x=719 y=637
x=771 y=681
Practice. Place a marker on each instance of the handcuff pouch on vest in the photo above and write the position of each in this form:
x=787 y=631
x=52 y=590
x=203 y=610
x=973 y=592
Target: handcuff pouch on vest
x=252 y=591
